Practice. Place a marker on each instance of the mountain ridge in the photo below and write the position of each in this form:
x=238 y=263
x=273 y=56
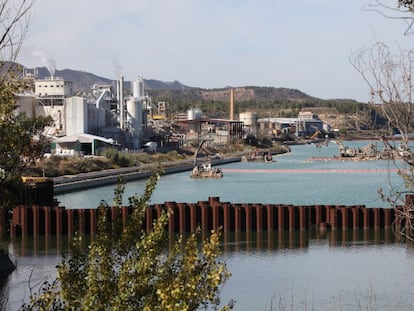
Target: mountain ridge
x=83 y=81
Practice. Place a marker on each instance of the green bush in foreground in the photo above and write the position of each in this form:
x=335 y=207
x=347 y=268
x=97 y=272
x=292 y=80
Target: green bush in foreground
x=128 y=268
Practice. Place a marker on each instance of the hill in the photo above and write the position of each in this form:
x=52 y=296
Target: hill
x=83 y=81
x=243 y=94
x=266 y=101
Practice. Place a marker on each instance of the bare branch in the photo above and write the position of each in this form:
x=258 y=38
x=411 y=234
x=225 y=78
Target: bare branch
x=404 y=10
x=14 y=23
x=390 y=78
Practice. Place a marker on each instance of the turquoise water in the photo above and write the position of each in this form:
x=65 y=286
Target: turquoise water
x=307 y=270
x=293 y=179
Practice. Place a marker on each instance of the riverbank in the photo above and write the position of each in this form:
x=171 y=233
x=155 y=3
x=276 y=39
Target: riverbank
x=83 y=181
x=70 y=183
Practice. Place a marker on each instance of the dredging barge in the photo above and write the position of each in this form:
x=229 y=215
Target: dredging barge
x=204 y=170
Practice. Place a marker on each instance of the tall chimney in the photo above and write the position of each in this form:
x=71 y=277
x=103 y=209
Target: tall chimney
x=232 y=104
x=121 y=103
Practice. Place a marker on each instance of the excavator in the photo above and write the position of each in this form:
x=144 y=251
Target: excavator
x=204 y=170
x=402 y=151
x=316 y=135
x=369 y=150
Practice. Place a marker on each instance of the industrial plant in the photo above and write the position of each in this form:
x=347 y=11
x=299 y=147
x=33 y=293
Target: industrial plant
x=120 y=115
x=109 y=116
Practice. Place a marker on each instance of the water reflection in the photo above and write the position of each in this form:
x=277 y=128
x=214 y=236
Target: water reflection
x=259 y=262
x=232 y=241
x=294 y=240
x=39 y=246
x=319 y=270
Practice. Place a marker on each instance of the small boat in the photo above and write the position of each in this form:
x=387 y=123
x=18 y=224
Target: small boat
x=204 y=170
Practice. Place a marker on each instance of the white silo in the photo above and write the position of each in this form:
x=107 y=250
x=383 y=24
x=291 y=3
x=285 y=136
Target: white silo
x=194 y=114
x=134 y=121
x=138 y=88
x=250 y=121
x=249 y=118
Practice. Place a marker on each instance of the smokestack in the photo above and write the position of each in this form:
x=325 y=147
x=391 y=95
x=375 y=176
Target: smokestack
x=231 y=104
x=121 y=103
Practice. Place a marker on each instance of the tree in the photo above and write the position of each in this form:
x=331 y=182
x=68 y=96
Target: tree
x=21 y=139
x=14 y=18
x=402 y=10
x=389 y=76
x=129 y=268
x=406 y=4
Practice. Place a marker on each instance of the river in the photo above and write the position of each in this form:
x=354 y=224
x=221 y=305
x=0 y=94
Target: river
x=293 y=179
x=308 y=270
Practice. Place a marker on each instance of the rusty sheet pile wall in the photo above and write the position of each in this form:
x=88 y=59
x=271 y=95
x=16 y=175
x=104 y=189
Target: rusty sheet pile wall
x=187 y=217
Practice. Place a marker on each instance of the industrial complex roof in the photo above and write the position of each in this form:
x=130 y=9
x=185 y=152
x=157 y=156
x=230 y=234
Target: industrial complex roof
x=84 y=138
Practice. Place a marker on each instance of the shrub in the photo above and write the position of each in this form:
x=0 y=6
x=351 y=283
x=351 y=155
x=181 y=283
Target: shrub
x=130 y=268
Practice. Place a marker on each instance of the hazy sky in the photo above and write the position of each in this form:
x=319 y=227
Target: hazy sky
x=300 y=44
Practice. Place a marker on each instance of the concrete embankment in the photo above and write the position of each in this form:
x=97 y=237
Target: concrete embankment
x=70 y=183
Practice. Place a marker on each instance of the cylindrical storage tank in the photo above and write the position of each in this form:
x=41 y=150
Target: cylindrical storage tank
x=194 y=114
x=248 y=118
x=138 y=88
x=134 y=119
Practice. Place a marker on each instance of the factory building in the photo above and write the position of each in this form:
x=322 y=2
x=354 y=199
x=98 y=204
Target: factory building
x=107 y=118
x=214 y=131
x=307 y=123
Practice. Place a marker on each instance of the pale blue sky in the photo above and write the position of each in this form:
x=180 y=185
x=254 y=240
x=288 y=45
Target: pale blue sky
x=301 y=44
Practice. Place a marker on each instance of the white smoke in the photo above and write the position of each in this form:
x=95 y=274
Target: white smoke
x=47 y=60
x=117 y=68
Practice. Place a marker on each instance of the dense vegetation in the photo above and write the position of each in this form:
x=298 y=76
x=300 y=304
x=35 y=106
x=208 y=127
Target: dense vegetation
x=266 y=101
x=21 y=140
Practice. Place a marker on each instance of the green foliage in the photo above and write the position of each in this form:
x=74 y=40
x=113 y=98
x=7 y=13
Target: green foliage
x=125 y=161
x=266 y=101
x=129 y=268
x=51 y=166
x=21 y=139
x=343 y=131
x=117 y=158
x=111 y=154
x=350 y=107
x=131 y=159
